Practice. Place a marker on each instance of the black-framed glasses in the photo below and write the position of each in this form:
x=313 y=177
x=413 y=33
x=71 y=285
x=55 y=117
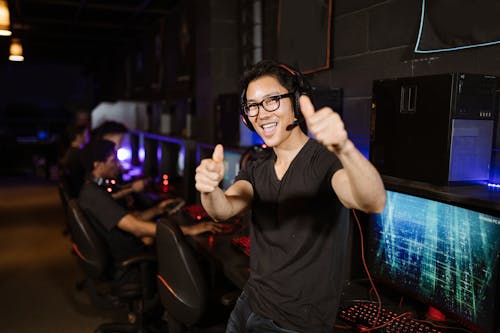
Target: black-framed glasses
x=270 y=104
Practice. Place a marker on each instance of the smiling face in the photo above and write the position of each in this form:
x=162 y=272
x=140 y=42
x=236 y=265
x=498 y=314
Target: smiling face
x=271 y=126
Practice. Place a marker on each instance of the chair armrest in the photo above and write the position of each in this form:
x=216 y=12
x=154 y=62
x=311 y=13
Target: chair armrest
x=137 y=260
x=144 y=282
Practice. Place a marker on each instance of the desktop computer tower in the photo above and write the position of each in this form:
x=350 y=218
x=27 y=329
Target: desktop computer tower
x=436 y=129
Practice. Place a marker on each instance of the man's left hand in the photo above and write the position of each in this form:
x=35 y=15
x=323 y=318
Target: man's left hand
x=325 y=125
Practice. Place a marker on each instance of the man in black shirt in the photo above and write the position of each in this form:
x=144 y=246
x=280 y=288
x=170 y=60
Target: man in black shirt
x=299 y=197
x=127 y=234
x=115 y=131
x=72 y=170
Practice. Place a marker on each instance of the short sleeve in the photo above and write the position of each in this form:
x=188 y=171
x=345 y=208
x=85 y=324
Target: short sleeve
x=101 y=206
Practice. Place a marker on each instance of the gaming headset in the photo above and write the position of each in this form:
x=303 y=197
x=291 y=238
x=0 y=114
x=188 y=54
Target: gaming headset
x=300 y=87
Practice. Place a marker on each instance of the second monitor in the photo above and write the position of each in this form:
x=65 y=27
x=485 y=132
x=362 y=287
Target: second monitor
x=232 y=158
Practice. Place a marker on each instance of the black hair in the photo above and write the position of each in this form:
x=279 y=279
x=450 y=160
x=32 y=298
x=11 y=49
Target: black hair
x=96 y=151
x=108 y=127
x=270 y=68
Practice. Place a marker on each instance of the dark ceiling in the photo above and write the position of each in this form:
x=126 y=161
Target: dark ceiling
x=76 y=30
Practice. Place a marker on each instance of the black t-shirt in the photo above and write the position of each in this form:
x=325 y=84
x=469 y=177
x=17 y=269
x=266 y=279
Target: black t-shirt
x=105 y=213
x=74 y=171
x=298 y=240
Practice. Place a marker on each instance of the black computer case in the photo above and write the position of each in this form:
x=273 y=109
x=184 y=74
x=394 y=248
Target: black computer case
x=436 y=128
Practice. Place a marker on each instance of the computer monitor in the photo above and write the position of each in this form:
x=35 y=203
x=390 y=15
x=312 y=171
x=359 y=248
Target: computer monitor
x=232 y=167
x=131 y=156
x=172 y=158
x=150 y=164
x=155 y=156
x=445 y=256
x=232 y=157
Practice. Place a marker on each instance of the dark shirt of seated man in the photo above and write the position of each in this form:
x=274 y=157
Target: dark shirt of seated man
x=126 y=234
x=71 y=163
x=105 y=214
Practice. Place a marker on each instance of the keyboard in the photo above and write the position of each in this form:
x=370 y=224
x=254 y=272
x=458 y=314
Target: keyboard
x=196 y=213
x=362 y=315
x=242 y=244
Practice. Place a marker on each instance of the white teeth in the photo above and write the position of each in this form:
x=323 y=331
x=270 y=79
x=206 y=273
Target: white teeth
x=269 y=125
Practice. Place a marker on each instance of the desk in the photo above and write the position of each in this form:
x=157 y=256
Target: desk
x=234 y=264
x=476 y=197
x=218 y=248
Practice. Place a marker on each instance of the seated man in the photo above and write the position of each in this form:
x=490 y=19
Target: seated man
x=126 y=234
x=115 y=131
x=72 y=171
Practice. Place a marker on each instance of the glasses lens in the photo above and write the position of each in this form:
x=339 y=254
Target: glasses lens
x=271 y=103
x=252 y=110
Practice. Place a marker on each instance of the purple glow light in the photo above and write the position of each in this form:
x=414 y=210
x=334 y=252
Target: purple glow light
x=123 y=154
x=141 y=154
x=158 y=153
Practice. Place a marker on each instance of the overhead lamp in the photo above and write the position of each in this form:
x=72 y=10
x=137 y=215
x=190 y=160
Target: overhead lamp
x=16 y=50
x=4 y=19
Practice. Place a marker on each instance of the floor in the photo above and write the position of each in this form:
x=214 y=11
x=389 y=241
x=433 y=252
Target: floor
x=37 y=270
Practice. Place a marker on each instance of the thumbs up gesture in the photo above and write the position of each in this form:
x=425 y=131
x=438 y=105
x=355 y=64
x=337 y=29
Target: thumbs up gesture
x=325 y=125
x=210 y=171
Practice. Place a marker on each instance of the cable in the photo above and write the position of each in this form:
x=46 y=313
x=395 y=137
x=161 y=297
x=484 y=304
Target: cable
x=379 y=301
x=443 y=326
x=405 y=314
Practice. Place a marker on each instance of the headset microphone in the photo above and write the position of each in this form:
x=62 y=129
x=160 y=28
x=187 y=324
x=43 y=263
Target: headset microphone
x=292 y=125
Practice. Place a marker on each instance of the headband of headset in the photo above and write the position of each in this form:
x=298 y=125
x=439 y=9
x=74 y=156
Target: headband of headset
x=302 y=87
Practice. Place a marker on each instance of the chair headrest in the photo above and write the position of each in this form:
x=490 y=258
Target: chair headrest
x=87 y=243
x=182 y=285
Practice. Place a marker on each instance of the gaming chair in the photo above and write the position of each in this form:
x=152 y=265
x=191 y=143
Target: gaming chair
x=94 y=257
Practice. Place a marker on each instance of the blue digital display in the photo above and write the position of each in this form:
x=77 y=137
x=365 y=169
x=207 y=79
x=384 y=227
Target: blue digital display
x=443 y=254
x=232 y=159
x=231 y=168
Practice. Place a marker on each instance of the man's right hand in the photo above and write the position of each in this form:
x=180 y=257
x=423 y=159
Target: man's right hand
x=202 y=227
x=210 y=172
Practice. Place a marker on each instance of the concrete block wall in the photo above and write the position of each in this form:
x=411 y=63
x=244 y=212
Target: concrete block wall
x=217 y=62
x=374 y=39
x=371 y=39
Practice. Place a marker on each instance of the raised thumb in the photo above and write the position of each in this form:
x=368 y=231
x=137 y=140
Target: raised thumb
x=218 y=154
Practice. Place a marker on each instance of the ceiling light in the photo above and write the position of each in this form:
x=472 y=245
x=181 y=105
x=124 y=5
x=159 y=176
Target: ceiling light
x=4 y=19
x=16 y=50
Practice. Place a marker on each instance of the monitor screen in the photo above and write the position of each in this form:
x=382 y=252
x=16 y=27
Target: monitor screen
x=151 y=158
x=232 y=159
x=444 y=255
x=172 y=158
x=131 y=155
x=231 y=167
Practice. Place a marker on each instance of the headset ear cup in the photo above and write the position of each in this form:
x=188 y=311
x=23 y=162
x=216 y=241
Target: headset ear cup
x=247 y=122
x=296 y=97
x=298 y=113
x=243 y=116
x=303 y=88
